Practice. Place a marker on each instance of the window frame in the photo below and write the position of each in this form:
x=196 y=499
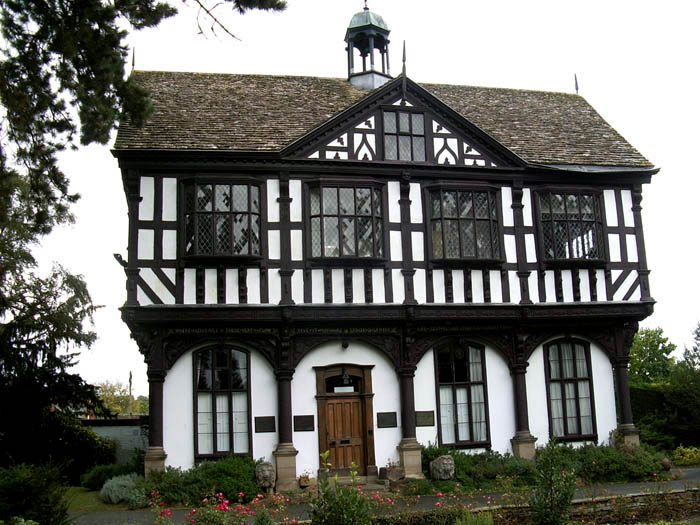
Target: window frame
x=427 y=132
x=601 y=222
x=343 y=260
x=195 y=405
x=462 y=261
x=563 y=381
x=451 y=346
x=193 y=182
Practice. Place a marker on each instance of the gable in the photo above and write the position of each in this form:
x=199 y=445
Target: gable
x=393 y=126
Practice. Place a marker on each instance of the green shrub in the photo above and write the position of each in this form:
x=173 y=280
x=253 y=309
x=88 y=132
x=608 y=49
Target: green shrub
x=475 y=518
x=686 y=455
x=338 y=505
x=33 y=492
x=120 y=488
x=96 y=477
x=554 y=486
x=19 y=521
x=263 y=517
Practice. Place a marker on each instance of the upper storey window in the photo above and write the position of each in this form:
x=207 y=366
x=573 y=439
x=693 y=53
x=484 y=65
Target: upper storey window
x=464 y=225
x=572 y=226
x=404 y=136
x=222 y=219
x=346 y=221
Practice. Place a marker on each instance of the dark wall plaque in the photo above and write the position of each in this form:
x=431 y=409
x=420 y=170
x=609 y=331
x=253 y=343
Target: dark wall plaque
x=425 y=418
x=303 y=423
x=386 y=420
x=265 y=424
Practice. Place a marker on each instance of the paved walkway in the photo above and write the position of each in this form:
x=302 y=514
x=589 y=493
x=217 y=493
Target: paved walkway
x=688 y=478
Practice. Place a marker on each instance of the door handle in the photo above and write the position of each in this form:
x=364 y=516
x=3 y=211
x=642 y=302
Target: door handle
x=344 y=441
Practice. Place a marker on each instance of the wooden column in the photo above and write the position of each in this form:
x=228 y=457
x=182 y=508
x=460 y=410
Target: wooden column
x=285 y=271
x=154 y=461
x=523 y=442
x=623 y=341
x=407 y=269
x=285 y=453
x=520 y=251
x=409 y=448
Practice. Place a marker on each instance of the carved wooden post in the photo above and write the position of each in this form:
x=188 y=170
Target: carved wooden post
x=409 y=448
x=623 y=341
x=523 y=442
x=285 y=453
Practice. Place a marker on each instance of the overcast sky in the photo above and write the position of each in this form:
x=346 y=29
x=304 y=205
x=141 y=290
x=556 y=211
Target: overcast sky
x=636 y=61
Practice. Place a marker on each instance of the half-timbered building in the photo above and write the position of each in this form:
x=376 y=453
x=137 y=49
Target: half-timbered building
x=367 y=265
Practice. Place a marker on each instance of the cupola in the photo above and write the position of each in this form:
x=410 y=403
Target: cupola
x=368 y=33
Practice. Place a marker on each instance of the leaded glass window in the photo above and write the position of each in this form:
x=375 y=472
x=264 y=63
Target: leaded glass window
x=221 y=402
x=463 y=395
x=404 y=136
x=572 y=226
x=222 y=219
x=346 y=222
x=464 y=225
x=570 y=389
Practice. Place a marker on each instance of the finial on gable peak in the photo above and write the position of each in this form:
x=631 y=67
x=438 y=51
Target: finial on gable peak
x=366 y=8
x=403 y=76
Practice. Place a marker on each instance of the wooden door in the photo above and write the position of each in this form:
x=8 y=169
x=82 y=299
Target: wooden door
x=345 y=432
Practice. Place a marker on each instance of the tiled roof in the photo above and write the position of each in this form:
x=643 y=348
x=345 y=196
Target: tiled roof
x=202 y=111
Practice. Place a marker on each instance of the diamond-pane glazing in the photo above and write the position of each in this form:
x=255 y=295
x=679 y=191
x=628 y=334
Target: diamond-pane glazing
x=465 y=204
x=222 y=196
x=378 y=238
x=404 y=119
x=330 y=201
x=452 y=239
x=481 y=205
x=330 y=232
x=204 y=197
x=587 y=213
x=364 y=201
x=435 y=204
x=404 y=147
x=483 y=241
x=545 y=210
x=560 y=241
x=223 y=234
x=391 y=151
x=348 y=235
x=389 y=122
x=495 y=244
x=255 y=235
x=315 y=197
x=558 y=213
x=572 y=207
x=204 y=234
x=437 y=239
x=347 y=201
x=468 y=242
x=418 y=120
x=364 y=236
x=316 y=237
x=189 y=234
x=189 y=199
x=240 y=234
x=255 y=199
x=419 y=149
x=240 y=197
x=377 y=203
x=449 y=204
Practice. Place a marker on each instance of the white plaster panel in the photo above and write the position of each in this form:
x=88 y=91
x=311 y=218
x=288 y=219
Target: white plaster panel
x=397 y=286
x=253 y=284
x=627 y=212
x=169 y=199
x=386 y=399
x=296 y=205
x=394 y=194
x=263 y=402
x=170 y=273
x=637 y=294
x=189 y=284
x=614 y=274
x=157 y=286
x=506 y=204
x=533 y=285
x=610 y=207
x=273 y=207
x=419 y=286
x=495 y=284
x=477 y=286
x=210 y=286
x=298 y=286
x=514 y=285
x=509 y=243
x=624 y=287
x=141 y=297
x=274 y=284
x=538 y=412
x=614 y=247
x=600 y=285
x=169 y=245
x=147 y=202
x=458 y=286
x=338 y=285
x=414 y=194
x=549 y=287
x=317 y=287
x=273 y=244
x=417 y=248
x=145 y=246
x=395 y=243
x=585 y=286
x=232 y=286
x=438 y=286
x=500 y=400
x=603 y=393
x=530 y=250
x=358 y=286
x=632 y=255
x=378 y=295
x=567 y=286
x=297 y=242
x=527 y=207
x=424 y=396
x=178 y=408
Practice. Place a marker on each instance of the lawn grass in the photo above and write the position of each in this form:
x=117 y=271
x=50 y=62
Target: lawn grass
x=81 y=499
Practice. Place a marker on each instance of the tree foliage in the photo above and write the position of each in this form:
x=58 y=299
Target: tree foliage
x=650 y=356
x=691 y=356
x=115 y=397
x=62 y=83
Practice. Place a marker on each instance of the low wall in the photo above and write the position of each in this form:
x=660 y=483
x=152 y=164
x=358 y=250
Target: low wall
x=126 y=432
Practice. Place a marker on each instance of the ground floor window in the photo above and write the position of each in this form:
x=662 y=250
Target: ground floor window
x=221 y=401
x=570 y=389
x=463 y=400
